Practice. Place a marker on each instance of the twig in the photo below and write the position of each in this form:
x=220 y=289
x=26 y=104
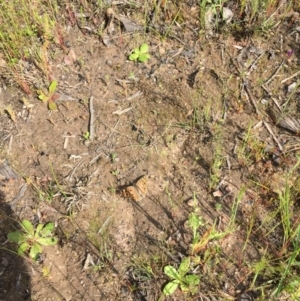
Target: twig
x=92 y=118
x=19 y=195
x=111 y=135
x=73 y=171
x=273 y=135
x=139 y=93
x=251 y=97
x=113 y=129
x=247 y=89
x=10 y=144
x=292 y=148
x=288 y=78
x=161 y=247
x=102 y=228
x=275 y=73
x=274 y=99
x=255 y=62
x=157 y=6
x=120 y=111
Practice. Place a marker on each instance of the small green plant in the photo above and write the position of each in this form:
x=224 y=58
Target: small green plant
x=113 y=157
x=187 y=282
x=32 y=240
x=140 y=54
x=132 y=76
x=50 y=97
x=86 y=135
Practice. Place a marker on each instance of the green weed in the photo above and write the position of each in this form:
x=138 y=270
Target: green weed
x=32 y=239
x=281 y=266
x=140 y=54
x=26 y=32
x=49 y=97
x=251 y=150
x=187 y=282
x=86 y=135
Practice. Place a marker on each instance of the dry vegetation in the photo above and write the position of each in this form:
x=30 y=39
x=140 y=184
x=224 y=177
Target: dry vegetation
x=161 y=138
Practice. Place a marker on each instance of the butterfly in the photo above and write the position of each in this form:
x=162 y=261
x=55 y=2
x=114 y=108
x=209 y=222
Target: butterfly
x=137 y=191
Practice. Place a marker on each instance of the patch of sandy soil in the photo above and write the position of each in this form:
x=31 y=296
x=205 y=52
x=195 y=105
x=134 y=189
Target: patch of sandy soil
x=163 y=135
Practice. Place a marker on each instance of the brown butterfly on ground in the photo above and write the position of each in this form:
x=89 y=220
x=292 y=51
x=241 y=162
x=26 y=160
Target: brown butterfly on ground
x=137 y=191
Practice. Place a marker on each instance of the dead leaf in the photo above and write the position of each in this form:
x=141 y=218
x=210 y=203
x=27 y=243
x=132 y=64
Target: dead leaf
x=129 y=25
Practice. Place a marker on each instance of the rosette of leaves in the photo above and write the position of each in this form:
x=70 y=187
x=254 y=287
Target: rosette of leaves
x=188 y=283
x=31 y=240
x=140 y=54
x=49 y=97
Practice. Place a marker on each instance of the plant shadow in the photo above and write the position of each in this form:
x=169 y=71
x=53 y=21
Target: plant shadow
x=14 y=274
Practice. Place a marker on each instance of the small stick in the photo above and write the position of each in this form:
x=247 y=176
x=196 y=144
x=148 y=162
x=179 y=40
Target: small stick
x=19 y=195
x=251 y=97
x=273 y=135
x=69 y=177
x=228 y=162
x=10 y=143
x=274 y=99
x=275 y=73
x=255 y=62
x=247 y=89
x=157 y=7
x=92 y=118
x=161 y=247
x=120 y=111
x=292 y=148
x=288 y=78
x=102 y=228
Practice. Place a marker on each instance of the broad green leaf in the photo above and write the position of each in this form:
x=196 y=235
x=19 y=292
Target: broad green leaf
x=16 y=236
x=144 y=48
x=35 y=250
x=133 y=56
x=52 y=87
x=47 y=230
x=192 y=280
x=42 y=96
x=28 y=227
x=47 y=241
x=184 y=266
x=144 y=57
x=52 y=105
x=23 y=248
x=136 y=51
x=38 y=229
x=171 y=272
x=184 y=287
x=170 y=288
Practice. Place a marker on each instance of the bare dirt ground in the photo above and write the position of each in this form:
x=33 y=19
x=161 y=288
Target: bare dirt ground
x=189 y=106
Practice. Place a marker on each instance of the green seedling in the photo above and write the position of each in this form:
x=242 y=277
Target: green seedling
x=50 y=97
x=86 y=135
x=32 y=240
x=140 y=54
x=188 y=283
x=113 y=157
